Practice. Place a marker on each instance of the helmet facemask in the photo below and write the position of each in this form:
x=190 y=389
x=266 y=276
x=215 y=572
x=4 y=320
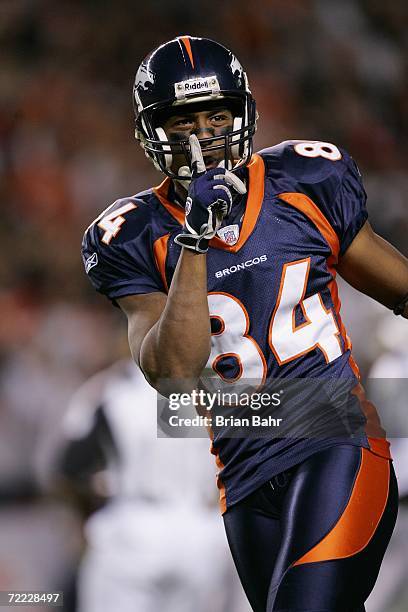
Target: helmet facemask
x=236 y=142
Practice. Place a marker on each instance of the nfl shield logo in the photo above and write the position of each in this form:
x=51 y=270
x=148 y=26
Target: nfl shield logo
x=229 y=234
x=229 y=237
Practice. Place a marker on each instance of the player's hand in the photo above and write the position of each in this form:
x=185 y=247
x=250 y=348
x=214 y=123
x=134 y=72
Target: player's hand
x=208 y=202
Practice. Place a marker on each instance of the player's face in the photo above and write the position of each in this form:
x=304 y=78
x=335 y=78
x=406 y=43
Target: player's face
x=205 y=124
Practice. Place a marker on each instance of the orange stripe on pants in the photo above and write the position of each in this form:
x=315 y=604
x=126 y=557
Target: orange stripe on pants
x=360 y=519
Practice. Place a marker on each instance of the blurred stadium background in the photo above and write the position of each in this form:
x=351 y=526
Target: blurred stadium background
x=319 y=69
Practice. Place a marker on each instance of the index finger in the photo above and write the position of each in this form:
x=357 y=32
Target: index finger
x=197 y=160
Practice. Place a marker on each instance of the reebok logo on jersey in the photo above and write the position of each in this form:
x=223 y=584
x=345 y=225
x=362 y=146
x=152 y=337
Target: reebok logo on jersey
x=241 y=266
x=91 y=262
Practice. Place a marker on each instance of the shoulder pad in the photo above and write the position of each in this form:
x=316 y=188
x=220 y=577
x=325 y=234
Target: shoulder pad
x=326 y=175
x=292 y=164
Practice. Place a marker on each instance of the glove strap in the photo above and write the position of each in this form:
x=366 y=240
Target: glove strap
x=193 y=243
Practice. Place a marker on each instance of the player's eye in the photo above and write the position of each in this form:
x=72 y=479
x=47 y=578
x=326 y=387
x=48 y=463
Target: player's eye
x=183 y=122
x=220 y=118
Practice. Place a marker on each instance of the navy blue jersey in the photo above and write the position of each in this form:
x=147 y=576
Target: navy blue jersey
x=273 y=299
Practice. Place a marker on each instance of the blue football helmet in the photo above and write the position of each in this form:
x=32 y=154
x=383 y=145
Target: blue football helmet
x=190 y=70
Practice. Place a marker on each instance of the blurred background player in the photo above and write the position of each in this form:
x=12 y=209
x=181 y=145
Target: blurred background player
x=156 y=541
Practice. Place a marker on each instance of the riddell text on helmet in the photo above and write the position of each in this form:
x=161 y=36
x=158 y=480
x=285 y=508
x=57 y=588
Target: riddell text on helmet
x=209 y=83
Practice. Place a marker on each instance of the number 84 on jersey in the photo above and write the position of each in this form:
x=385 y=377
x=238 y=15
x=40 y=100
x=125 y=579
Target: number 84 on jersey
x=232 y=343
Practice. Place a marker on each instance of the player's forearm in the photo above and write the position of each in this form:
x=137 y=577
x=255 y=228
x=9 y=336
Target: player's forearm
x=394 y=282
x=177 y=347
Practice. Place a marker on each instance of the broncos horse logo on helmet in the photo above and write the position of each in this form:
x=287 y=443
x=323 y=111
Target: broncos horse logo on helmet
x=188 y=70
x=144 y=80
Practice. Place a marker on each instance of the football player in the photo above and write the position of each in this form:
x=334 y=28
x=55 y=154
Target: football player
x=229 y=267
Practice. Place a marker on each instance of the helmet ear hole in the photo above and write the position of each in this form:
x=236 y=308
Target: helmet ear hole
x=161 y=134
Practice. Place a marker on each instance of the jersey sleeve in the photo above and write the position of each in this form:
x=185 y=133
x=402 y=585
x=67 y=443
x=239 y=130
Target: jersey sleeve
x=349 y=212
x=330 y=178
x=126 y=265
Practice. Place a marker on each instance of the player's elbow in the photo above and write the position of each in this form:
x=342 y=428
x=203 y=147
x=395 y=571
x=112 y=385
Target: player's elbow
x=174 y=377
x=172 y=373
x=169 y=365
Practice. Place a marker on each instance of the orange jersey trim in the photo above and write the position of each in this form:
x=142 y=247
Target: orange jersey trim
x=187 y=44
x=360 y=519
x=380 y=447
x=161 y=192
x=309 y=208
x=253 y=207
x=256 y=190
x=373 y=427
x=160 y=254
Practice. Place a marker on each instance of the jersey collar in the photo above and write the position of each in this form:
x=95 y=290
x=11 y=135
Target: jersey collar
x=256 y=175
